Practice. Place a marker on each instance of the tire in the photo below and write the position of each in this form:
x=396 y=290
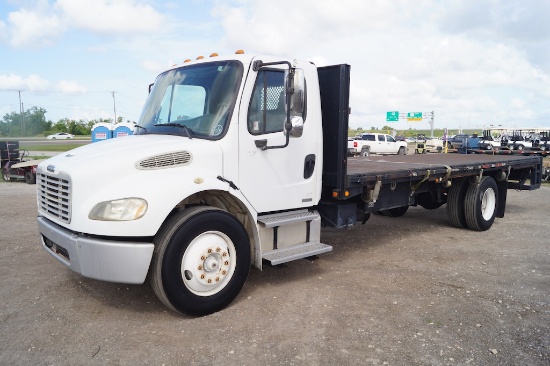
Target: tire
x=519 y=147
x=401 y=151
x=201 y=261
x=5 y=176
x=30 y=178
x=489 y=147
x=455 y=203
x=481 y=203
x=395 y=212
x=53 y=138
x=365 y=152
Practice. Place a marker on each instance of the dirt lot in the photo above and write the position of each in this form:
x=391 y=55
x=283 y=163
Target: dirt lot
x=396 y=291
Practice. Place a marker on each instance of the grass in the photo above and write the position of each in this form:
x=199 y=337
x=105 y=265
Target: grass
x=50 y=147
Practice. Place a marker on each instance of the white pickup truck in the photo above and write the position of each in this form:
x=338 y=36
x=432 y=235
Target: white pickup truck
x=377 y=143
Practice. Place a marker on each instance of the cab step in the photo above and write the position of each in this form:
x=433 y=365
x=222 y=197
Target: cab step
x=294 y=252
x=287 y=218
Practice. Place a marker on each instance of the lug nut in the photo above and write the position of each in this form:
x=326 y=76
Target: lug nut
x=218 y=250
x=200 y=268
x=209 y=280
x=209 y=250
x=226 y=263
x=202 y=276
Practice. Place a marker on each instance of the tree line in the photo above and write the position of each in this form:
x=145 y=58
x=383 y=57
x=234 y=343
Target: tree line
x=32 y=122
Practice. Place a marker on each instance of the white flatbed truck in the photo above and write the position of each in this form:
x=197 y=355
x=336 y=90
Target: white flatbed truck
x=237 y=161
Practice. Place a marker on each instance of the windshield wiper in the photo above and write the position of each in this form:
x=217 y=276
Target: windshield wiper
x=138 y=126
x=187 y=130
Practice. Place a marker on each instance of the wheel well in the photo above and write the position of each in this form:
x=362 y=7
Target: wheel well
x=229 y=203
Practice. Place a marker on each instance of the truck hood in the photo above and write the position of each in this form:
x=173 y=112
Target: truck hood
x=123 y=153
x=162 y=169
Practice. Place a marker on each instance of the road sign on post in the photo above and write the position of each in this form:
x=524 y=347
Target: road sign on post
x=414 y=116
x=392 y=116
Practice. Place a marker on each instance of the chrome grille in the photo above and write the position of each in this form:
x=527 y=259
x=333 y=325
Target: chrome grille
x=165 y=160
x=54 y=196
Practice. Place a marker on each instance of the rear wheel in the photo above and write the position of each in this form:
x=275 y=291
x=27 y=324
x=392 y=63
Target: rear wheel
x=455 y=203
x=519 y=147
x=201 y=261
x=480 y=204
x=5 y=176
x=365 y=152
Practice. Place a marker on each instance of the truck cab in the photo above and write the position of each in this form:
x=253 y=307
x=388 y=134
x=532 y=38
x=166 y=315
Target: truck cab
x=225 y=165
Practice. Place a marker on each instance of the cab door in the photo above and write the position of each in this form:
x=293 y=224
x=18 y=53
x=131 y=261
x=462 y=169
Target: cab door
x=282 y=177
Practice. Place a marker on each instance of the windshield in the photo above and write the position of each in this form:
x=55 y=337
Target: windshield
x=192 y=101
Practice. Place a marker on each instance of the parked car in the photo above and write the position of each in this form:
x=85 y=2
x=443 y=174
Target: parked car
x=60 y=136
x=377 y=143
x=456 y=141
x=400 y=138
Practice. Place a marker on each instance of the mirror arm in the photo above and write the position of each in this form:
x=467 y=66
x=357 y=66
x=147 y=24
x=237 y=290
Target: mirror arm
x=262 y=144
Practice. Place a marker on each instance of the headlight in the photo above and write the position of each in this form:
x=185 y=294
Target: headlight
x=125 y=209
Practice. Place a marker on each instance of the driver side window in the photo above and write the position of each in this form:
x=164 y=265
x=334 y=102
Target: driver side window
x=266 y=113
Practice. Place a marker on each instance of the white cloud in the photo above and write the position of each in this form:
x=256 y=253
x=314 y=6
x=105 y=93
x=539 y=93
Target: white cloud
x=41 y=23
x=457 y=58
x=32 y=27
x=70 y=87
x=16 y=82
x=121 y=17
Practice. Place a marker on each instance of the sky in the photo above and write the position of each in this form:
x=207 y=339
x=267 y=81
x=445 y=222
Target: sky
x=474 y=63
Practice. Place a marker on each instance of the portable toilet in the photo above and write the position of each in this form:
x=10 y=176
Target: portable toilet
x=123 y=129
x=102 y=131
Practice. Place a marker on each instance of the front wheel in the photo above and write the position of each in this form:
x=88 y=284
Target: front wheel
x=201 y=261
x=401 y=151
x=30 y=178
x=5 y=176
x=519 y=147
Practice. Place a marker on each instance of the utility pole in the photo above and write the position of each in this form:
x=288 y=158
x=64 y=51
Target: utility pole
x=114 y=106
x=21 y=114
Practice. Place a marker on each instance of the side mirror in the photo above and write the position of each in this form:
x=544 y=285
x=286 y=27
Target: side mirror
x=296 y=90
x=297 y=128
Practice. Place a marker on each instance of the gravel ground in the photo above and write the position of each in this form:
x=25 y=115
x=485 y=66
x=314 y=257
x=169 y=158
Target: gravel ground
x=396 y=291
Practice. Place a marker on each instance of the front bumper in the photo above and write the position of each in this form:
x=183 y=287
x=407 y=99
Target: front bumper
x=106 y=260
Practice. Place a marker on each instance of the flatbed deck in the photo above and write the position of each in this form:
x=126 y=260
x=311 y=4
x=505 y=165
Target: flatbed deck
x=362 y=170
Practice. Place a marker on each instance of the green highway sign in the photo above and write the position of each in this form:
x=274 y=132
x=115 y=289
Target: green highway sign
x=392 y=116
x=414 y=116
